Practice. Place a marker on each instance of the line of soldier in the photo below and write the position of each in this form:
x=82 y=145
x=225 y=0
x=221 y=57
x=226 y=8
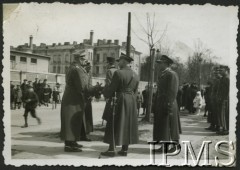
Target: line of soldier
x=121 y=105
x=42 y=89
x=217 y=100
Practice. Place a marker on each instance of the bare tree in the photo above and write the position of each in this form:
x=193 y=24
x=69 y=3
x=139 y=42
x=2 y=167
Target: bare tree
x=152 y=36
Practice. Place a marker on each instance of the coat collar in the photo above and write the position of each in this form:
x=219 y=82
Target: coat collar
x=165 y=71
x=126 y=68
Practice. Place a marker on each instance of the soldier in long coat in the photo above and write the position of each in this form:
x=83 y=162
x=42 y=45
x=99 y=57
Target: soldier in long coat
x=111 y=68
x=166 y=118
x=223 y=96
x=73 y=104
x=87 y=126
x=124 y=84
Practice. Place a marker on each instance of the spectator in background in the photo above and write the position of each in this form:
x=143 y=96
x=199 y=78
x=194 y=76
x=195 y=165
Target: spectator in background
x=197 y=102
x=139 y=101
x=18 y=97
x=35 y=84
x=179 y=97
x=56 y=95
x=145 y=99
x=12 y=91
x=98 y=94
x=207 y=94
x=46 y=94
x=24 y=88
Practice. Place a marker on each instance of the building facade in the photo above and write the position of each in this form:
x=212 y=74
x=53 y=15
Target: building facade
x=25 y=61
x=61 y=55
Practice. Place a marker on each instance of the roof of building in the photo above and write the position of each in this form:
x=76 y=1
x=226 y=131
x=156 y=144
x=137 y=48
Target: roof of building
x=30 y=54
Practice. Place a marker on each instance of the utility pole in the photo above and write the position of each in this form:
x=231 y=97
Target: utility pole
x=150 y=91
x=128 y=50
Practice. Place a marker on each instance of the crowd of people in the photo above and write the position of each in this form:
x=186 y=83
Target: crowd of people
x=30 y=94
x=123 y=103
x=43 y=90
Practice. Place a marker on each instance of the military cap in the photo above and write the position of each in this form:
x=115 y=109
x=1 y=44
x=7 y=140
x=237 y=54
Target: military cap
x=57 y=83
x=110 y=59
x=81 y=54
x=45 y=80
x=165 y=59
x=224 y=67
x=25 y=80
x=125 y=57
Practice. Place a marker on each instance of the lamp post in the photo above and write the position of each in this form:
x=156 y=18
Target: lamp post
x=200 y=70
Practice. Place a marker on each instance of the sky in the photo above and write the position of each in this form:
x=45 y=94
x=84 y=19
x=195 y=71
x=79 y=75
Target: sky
x=215 y=26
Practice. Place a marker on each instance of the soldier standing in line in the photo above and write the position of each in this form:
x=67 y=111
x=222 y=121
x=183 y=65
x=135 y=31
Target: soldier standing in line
x=73 y=103
x=166 y=119
x=24 y=88
x=223 y=96
x=35 y=85
x=213 y=100
x=87 y=125
x=111 y=68
x=18 y=97
x=125 y=124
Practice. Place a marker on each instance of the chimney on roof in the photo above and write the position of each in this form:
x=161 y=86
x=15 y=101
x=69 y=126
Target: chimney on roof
x=104 y=41
x=31 y=42
x=53 y=44
x=74 y=42
x=91 y=37
x=66 y=43
x=109 y=41
x=59 y=44
x=116 y=42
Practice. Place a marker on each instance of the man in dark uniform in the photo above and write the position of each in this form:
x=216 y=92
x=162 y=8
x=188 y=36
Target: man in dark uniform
x=111 y=68
x=214 y=101
x=87 y=126
x=31 y=101
x=124 y=84
x=145 y=99
x=24 y=88
x=223 y=96
x=166 y=117
x=73 y=103
x=35 y=83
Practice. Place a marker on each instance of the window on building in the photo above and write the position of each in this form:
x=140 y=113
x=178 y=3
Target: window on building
x=13 y=58
x=67 y=58
x=104 y=57
x=97 y=69
x=33 y=60
x=112 y=54
x=98 y=58
x=23 y=59
x=66 y=69
x=54 y=69
x=59 y=69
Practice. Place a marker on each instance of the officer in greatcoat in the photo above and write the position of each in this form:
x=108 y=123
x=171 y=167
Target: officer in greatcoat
x=223 y=102
x=87 y=126
x=73 y=103
x=125 y=84
x=166 y=117
x=111 y=68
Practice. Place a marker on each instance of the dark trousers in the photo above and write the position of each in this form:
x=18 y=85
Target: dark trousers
x=32 y=112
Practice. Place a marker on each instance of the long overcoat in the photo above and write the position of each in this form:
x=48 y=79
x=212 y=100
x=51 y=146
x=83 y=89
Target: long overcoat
x=166 y=125
x=88 y=122
x=73 y=103
x=125 y=83
x=108 y=110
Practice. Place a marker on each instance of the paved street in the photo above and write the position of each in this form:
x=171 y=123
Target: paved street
x=42 y=141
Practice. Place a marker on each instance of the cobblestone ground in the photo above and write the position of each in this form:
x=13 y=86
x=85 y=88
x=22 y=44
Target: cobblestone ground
x=42 y=141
